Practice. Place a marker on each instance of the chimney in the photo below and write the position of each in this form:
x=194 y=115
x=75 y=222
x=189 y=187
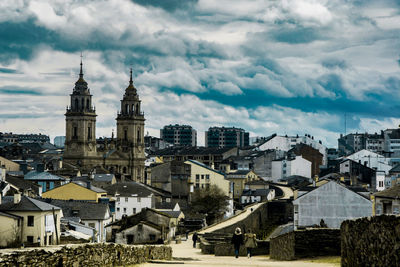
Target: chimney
x=24 y=167
x=40 y=167
x=17 y=198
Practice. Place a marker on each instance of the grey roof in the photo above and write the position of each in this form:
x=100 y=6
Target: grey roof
x=93 y=188
x=392 y=192
x=39 y=176
x=27 y=204
x=10 y=215
x=104 y=177
x=128 y=189
x=173 y=214
x=192 y=151
x=395 y=169
x=82 y=209
x=23 y=184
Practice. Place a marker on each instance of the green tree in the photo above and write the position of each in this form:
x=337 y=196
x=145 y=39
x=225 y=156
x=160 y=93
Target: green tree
x=211 y=202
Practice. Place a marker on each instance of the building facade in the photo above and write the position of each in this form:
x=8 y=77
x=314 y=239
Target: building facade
x=179 y=135
x=123 y=155
x=226 y=137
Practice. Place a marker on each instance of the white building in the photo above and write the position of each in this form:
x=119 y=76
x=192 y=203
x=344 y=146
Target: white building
x=331 y=202
x=372 y=160
x=285 y=143
x=282 y=168
x=131 y=197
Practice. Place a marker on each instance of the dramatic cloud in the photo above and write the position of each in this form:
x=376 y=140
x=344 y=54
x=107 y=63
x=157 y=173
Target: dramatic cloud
x=290 y=66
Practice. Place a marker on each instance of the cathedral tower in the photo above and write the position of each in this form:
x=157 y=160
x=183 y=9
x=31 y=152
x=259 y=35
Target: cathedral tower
x=80 y=137
x=130 y=133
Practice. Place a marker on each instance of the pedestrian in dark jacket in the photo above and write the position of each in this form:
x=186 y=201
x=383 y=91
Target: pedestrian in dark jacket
x=237 y=240
x=194 y=238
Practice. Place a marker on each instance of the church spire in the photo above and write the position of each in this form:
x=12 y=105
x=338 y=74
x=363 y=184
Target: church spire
x=131 y=81
x=81 y=72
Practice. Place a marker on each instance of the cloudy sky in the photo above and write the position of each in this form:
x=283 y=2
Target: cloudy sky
x=286 y=67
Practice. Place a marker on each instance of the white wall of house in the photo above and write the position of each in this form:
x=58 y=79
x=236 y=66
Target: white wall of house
x=131 y=205
x=331 y=202
x=285 y=168
x=99 y=225
x=380 y=181
x=286 y=143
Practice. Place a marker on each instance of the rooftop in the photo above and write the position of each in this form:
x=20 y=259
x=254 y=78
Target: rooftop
x=27 y=204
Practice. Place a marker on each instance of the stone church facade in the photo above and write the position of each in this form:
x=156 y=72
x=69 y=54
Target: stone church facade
x=121 y=155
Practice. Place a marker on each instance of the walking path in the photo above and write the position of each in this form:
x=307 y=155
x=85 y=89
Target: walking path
x=192 y=257
x=232 y=220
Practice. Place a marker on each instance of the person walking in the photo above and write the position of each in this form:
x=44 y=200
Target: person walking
x=250 y=242
x=194 y=238
x=237 y=240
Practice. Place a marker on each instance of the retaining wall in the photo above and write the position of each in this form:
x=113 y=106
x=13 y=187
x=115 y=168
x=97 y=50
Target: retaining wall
x=103 y=254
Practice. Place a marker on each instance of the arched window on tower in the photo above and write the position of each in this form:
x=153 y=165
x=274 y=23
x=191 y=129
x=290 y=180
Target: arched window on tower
x=75 y=134
x=126 y=108
x=133 y=108
x=138 y=135
x=76 y=103
x=137 y=108
x=125 y=134
x=83 y=104
x=87 y=104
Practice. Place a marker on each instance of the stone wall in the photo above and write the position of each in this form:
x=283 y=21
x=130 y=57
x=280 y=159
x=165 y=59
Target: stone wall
x=103 y=254
x=263 y=220
x=305 y=243
x=371 y=241
x=224 y=249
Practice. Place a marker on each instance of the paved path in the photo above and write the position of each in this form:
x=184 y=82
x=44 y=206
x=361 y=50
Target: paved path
x=191 y=257
x=232 y=220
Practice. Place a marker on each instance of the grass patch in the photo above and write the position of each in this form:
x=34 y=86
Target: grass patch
x=329 y=259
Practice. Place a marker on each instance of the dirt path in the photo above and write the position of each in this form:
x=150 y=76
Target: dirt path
x=185 y=253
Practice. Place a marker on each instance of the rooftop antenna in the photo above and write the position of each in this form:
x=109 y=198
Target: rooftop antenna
x=81 y=72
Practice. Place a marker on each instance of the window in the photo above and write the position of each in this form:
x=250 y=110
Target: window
x=152 y=237
x=396 y=209
x=140 y=227
x=126 y=199
x=124 y=210
x=296 y=208
x=138 y=199
x=75 y=132
x=197 y=185
x=378 y=209
x=202 y=176
x=89 y=134
x=125 y=134
x=207 y=186
x=134 y=210
x=118 y=199
x=92 y=225
x=207 y=177
x=117 y=209
x=197 y=176
x=29 y=239
x=30 y=221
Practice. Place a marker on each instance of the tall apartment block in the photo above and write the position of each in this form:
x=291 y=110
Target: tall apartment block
x=179 y=135
x=226 y=137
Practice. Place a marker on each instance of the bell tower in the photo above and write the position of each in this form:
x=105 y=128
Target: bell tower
x=130 y=132
x=80 y=118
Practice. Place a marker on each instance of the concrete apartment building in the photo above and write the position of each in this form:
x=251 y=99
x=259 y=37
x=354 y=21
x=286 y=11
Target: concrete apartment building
x=226 y=137
x=179 y=135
